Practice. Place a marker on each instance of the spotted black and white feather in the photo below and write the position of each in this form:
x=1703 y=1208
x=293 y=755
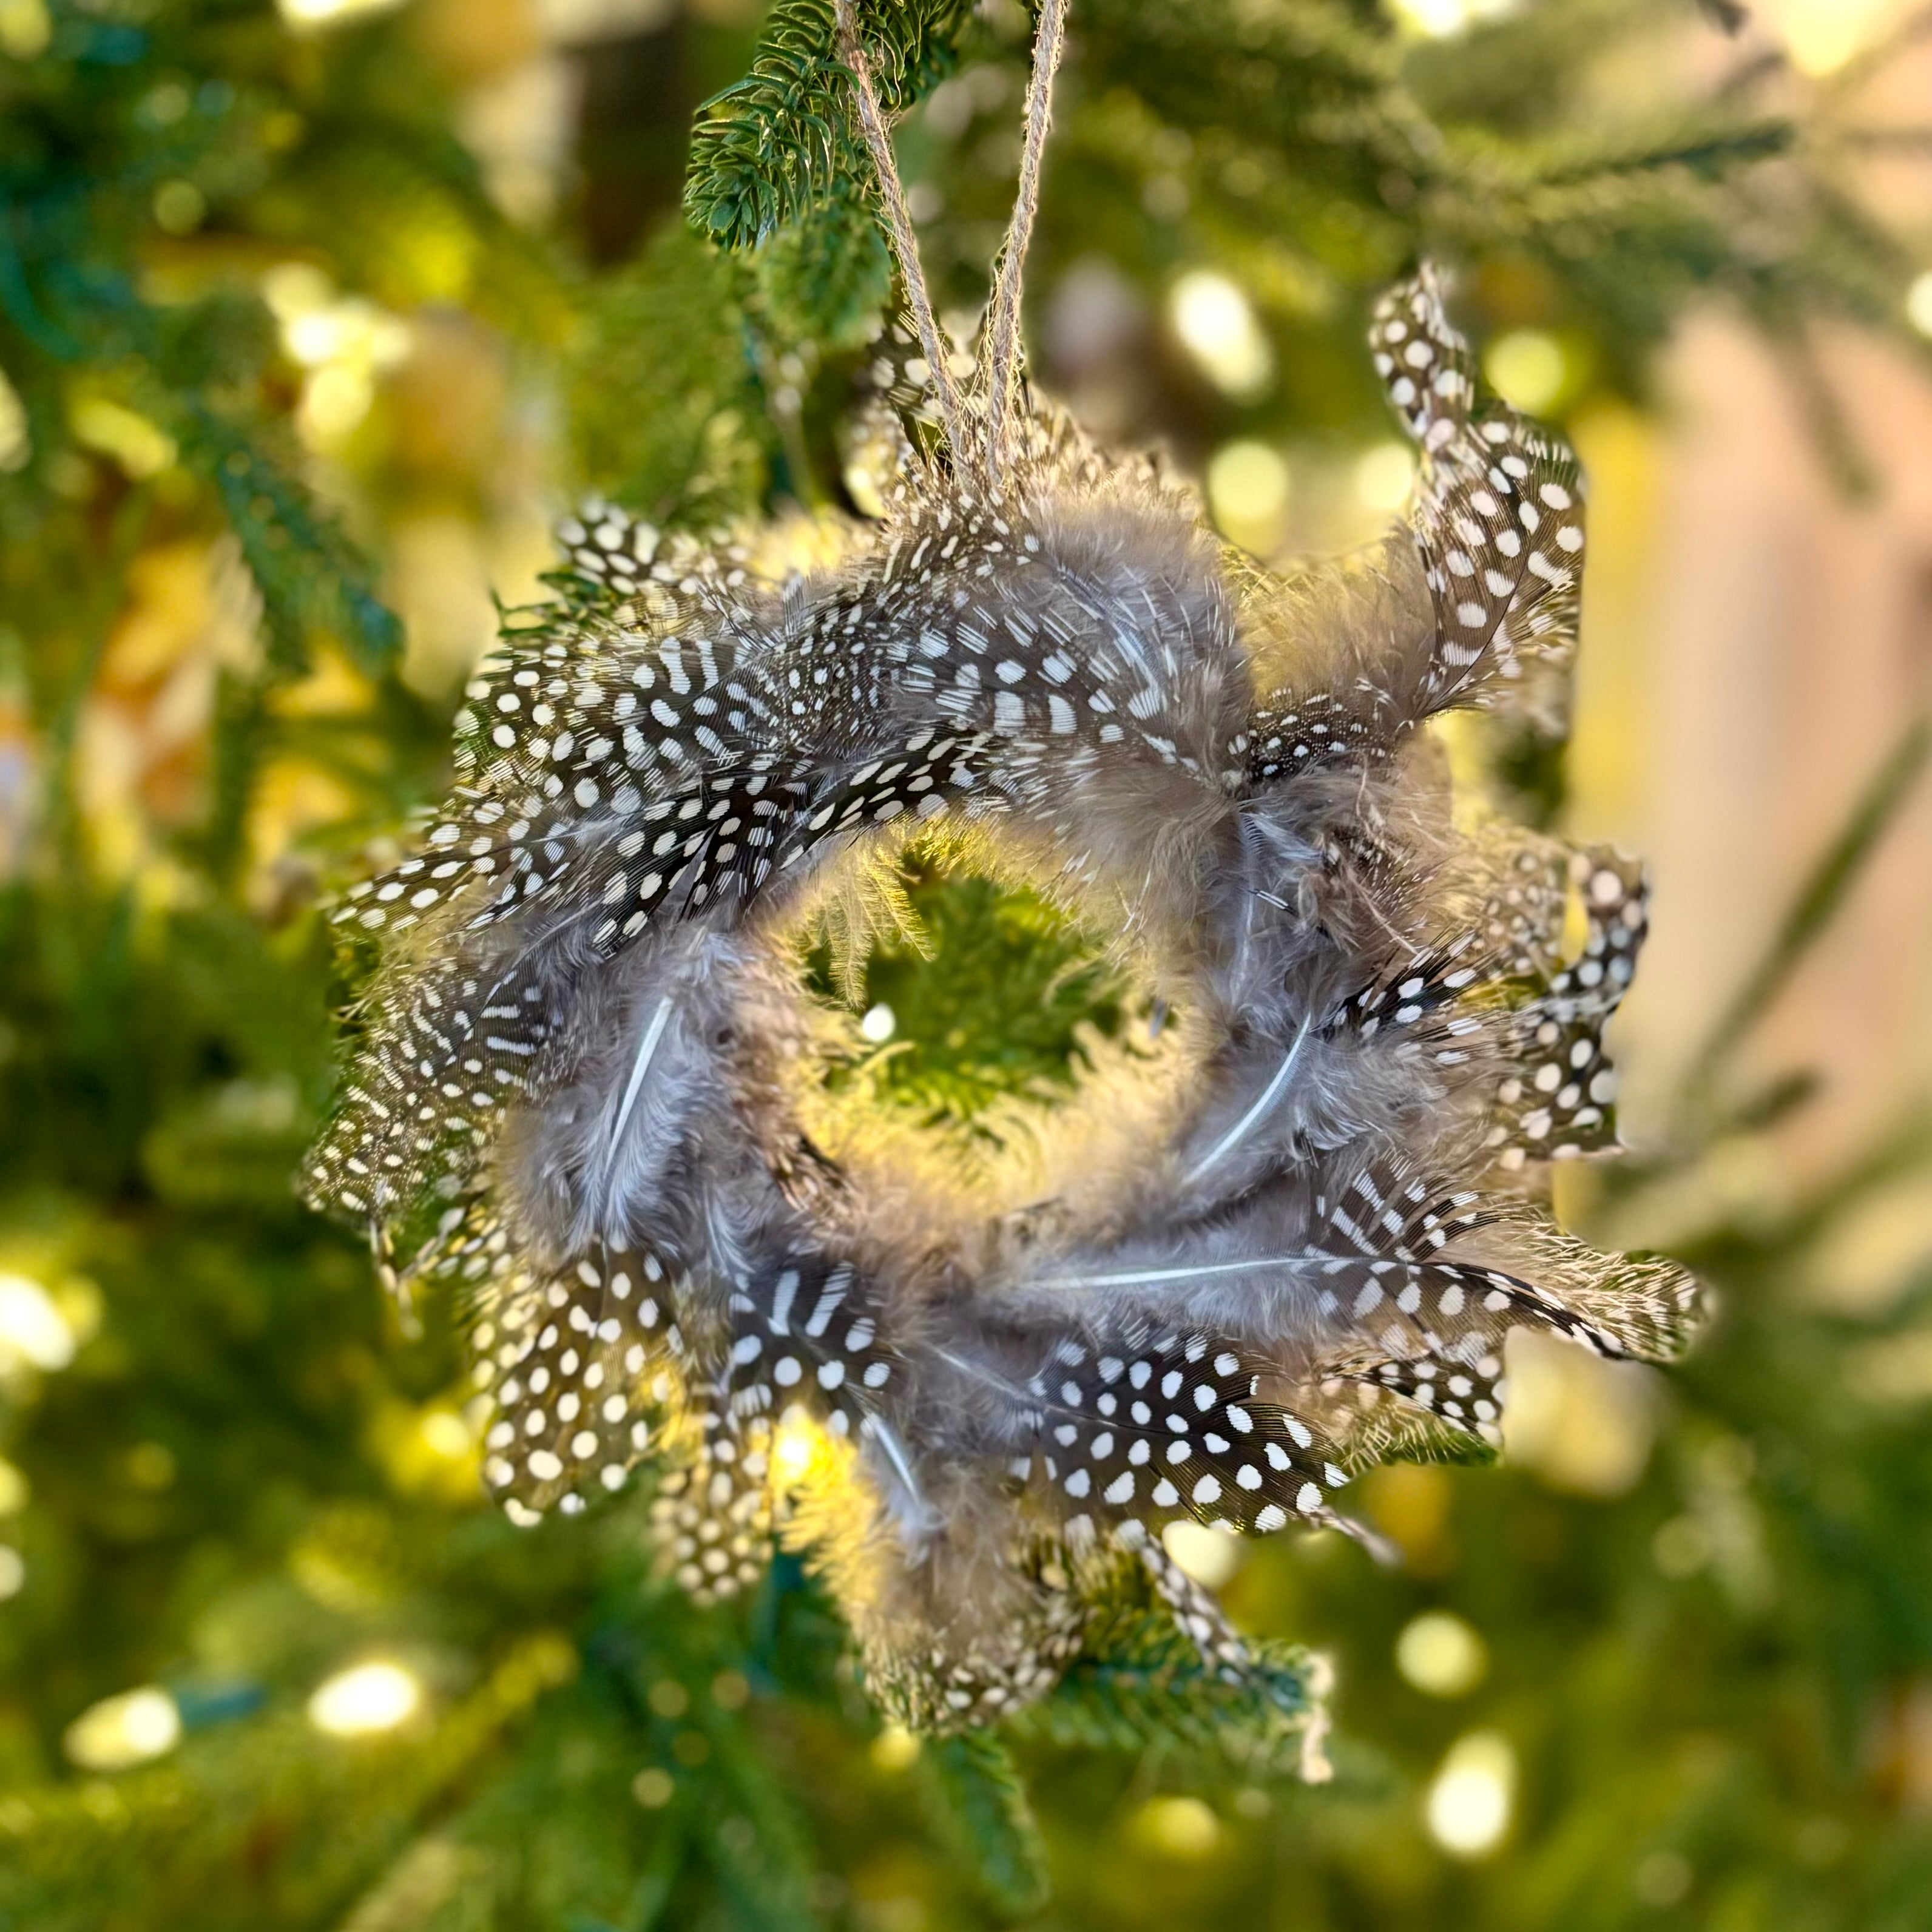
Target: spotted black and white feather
x=589 y=1089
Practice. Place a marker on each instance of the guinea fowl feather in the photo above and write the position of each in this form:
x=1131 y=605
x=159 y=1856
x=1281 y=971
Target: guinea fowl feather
x=1289 y=1238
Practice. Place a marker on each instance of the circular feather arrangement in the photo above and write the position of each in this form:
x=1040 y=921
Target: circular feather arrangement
x=1287 y=1239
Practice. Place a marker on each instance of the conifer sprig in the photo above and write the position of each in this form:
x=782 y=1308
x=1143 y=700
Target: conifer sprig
x=772 y=147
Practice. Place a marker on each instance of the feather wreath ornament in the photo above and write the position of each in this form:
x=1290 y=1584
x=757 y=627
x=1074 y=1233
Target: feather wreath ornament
x=1289 y=1240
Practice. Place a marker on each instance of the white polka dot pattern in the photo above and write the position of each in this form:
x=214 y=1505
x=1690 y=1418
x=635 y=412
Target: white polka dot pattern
x=1498 y=525
x=808 y=1334
x=581 y=1044
x=1557 y=1100
x=712 y=1513
x=1418 y=1323
x=1499 y=510
x=1139 y=1427
x=449 y=1050
x=580 y=1366
x=1197 y=1612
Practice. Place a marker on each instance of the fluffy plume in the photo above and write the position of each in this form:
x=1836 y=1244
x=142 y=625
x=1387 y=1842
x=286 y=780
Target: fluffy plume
x=589 y=1086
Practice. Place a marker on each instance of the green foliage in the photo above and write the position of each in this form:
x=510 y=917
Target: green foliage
x=991 y=991
x=825 y=279
x=1146 y=1680
x=309 y=574
x=976 y=1791
x=671 y=325
x=122 y=132
x=1315 y=142
x=770 y=149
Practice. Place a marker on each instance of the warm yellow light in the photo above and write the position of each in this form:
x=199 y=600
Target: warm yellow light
x=32 y=1329
x=1470 y=1801
x=1384 y=475
x=1527 y=369
x=1918 y=303
x=1210 y=1556
x=126 y=1730
x=334 y=400
x=797 y=1445
x=319 y=329
x=14 y=1489
x=1181 y=1828
x=319 y=335
x=368 y=1697
x=343 y=342
x=26 y=28
x=1247 y=490
x=1822 y=35
x=15 y=443
x=141 y=447
x=327 y=13
x=1216 y=322
x=444 y=1433
x=866 y=475
x=1440 y=1654
x=292 y=289
x=12 y=1573
x=895 y=1748
x=1439 y=19
x=1583 y=1424
x=1248 y=480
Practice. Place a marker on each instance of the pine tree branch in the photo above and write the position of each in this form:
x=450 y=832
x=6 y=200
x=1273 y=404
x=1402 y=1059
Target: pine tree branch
x=978 y=1802
x=309 y=573
x=768 y=151
x=167 y=1831
x=1141 y=1680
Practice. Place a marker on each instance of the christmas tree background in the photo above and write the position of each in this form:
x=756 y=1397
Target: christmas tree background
x=309 y=320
